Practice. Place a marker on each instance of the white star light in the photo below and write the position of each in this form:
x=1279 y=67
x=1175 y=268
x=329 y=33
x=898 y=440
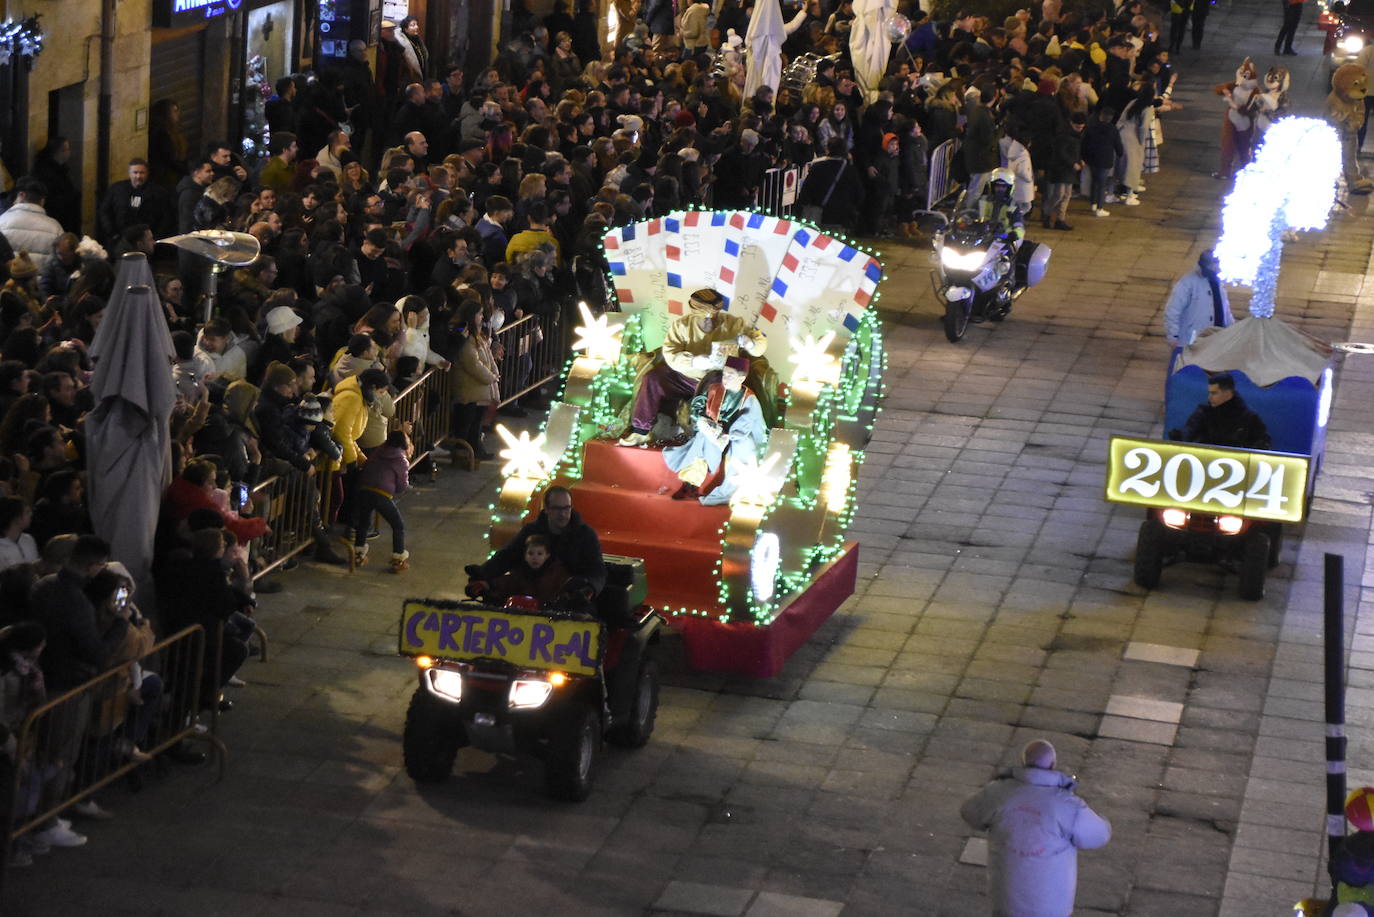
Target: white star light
x=813 y=362
x=758 y=485
x=525 y=457
x=597 y=336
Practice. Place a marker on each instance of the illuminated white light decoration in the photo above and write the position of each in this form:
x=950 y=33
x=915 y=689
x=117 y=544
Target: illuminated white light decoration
x=836 y=477
x=764 y=560
x=758 y=482
x=1290 y=185
x=814 y=363
x=1324 y=399
x=598 y=336
x=525 y=457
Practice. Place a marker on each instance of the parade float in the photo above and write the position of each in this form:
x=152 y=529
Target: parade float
x=1216 y=502
x=745 y=583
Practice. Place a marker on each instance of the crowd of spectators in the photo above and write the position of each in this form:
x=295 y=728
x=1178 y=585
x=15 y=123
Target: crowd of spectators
x=408 y=212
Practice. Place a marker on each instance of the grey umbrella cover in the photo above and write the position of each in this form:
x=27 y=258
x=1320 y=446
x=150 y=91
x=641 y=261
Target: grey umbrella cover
x=128 y=448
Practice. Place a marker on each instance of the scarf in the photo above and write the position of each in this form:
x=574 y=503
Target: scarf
x=1218 y=311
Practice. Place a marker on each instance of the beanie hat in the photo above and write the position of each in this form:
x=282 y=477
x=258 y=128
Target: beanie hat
x=738 y=362
x=21 y=268
x=347 y=157
x=684 y=118
x=888 y=138
x=310 y=410
x=278 y=373
x=281 y=319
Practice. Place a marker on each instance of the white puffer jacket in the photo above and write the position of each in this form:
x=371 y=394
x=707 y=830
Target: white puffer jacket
x=29 y=228
x=1036 y=826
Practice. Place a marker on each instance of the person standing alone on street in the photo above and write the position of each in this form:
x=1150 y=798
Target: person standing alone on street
x=1292 y=13
x=1036 y=825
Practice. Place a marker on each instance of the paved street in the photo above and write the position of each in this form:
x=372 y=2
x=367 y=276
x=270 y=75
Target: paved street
x=994 y=605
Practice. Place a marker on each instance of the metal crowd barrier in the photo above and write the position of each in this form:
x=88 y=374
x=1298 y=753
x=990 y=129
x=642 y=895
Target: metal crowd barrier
x=533 y=351
x=426 y=404
x=76 y=743
x=778 y=191
x=293 y=505
x=942 y=184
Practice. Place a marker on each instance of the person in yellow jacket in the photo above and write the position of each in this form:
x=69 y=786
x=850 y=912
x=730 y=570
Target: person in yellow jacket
x=353 y=397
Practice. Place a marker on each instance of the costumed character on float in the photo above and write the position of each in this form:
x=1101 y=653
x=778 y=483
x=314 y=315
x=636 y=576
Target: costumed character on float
x=1345 y=112
x=730 y=436
x=695 y=344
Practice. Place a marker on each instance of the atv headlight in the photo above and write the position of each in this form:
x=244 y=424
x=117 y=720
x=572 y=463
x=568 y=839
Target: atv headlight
x=1352 y=44
x=446 y=683
x=1174 y=518
x=965 y=261
x=1230 y=525
x=529 y=693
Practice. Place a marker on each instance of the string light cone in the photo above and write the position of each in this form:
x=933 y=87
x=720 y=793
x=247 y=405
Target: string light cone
x=1290 y=185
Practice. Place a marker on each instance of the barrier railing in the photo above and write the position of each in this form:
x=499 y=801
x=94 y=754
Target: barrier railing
x=533 y=349
x=426 y=404
x=293 y=505
x=942 y=183
x=778 y=191
x=74 y=744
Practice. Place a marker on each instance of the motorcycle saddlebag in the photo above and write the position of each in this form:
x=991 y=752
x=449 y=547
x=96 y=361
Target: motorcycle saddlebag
x=1032 y=260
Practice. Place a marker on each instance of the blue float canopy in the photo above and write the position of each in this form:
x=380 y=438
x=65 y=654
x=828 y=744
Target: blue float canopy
x=1284 y=375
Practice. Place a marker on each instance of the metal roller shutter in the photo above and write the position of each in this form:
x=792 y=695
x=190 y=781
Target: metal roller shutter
x=176 y=74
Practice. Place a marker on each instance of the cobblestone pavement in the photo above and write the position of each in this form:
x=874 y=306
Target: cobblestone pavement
x=994 y=605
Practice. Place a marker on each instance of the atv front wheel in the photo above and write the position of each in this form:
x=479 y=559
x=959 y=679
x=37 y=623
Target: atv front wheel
x=571 y=764
x=1149 y=554
x=433 y=734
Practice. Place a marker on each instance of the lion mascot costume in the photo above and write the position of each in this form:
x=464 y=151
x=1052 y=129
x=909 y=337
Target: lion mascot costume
x=1345 y=112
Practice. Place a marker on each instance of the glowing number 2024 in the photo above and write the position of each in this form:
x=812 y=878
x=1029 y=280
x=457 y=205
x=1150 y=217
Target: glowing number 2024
x=1267 y=487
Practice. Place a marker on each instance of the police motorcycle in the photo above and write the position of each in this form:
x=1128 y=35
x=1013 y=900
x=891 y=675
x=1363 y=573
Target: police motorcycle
x=983 y=262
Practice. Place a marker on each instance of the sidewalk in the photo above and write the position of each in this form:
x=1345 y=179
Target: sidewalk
x=994 y=605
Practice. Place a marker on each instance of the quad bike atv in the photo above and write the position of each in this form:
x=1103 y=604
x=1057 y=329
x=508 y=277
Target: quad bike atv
x=546 y=682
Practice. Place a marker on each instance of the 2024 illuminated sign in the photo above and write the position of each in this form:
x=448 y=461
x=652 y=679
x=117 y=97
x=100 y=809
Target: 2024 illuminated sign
x=1208 y=479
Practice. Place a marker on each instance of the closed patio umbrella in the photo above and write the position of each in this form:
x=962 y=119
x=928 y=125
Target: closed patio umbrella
x=128 y=442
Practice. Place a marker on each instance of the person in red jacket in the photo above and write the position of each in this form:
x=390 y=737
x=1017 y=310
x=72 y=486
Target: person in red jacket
x=191 y=491
x=538 y=574
x=385 y=477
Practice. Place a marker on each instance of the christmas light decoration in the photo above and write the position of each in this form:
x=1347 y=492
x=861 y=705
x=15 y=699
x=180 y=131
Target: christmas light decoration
x=814 y=362
x=525 y=457
x=20 y=38
x=1290 y=185
x=598 y=336
x=758 y=482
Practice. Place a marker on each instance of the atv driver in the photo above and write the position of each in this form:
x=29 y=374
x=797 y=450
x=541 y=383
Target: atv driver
x=996 y=206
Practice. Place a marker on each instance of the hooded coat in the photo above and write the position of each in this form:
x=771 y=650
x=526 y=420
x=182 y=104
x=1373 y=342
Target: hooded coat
x=1036 y=825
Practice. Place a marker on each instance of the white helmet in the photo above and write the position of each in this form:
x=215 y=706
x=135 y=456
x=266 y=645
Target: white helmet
x=1003 y=175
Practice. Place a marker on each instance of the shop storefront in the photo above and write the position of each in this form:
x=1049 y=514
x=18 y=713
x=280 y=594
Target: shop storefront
x=269 y=53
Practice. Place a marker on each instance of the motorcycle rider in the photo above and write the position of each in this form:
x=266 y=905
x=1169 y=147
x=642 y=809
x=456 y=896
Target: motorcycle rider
x=996 y=206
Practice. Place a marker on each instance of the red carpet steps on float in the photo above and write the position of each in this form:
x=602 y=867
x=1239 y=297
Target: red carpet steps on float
x=626 y=495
